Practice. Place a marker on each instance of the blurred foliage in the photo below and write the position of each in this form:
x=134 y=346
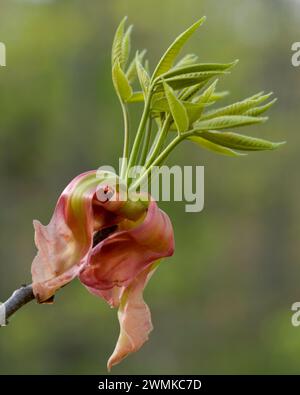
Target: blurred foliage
x=222 y=303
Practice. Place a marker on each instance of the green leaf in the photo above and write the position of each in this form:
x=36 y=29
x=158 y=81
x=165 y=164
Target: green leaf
x=218 y=96
x=257 y=95
x=131 y=72
x=178 y=110
x=187 y=80
x=117 y=46
x=254 y=112
x=194 y=111
x=159 y=103
x=214 y=147
x=261 y=98
x=136 y=97
x=190 y=92
x=143 y=76
x=228 y=121
x=239 y=141
x=238 y=108
x=199 y=67
x=206 y=95
x=121 y=83
x=126 y=46
x=166 y=62
x=187 y=60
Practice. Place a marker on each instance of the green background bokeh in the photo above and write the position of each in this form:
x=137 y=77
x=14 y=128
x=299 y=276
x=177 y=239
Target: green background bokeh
x=222 y=303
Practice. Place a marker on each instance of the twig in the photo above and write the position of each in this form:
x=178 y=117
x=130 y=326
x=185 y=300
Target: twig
x=24 y=295
x=19 y=298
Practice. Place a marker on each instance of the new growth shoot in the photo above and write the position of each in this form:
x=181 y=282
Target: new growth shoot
x=179 y=98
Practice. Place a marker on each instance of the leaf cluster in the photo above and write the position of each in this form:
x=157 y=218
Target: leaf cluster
x=182 y=96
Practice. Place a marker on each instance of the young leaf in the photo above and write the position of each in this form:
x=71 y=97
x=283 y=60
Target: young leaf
x=186 y=60
x=199 y=67
x=228 y=121
x=206 y=95
x=194 y=108
x=254 y=112
x=194 y=111
x=190 y=92
x=117 y=46
x=131 y=72
x=187 y=80
x=214 y=147
x=239 y=141
x=126 y=46
x=136 y=97
x=121 y=83
x=218 y=96
x=143 y=76
x=257 y=95
x=177 y=109
x=238 y=108
x=166 y=62
x=159 y=103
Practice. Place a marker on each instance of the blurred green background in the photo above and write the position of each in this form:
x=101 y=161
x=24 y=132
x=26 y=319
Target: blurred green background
x=222 y=304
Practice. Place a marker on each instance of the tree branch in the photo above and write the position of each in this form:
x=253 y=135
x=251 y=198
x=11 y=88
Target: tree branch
x=24 y=295
x=19 y=298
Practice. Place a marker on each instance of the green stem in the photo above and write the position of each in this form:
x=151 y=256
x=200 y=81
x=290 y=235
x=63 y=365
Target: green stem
x=126 y=138
x=146 y=142
x=158 y=161
x=139 y=135
x=160 y=140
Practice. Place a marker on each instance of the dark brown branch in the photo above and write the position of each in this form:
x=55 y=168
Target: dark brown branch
x=24 y=295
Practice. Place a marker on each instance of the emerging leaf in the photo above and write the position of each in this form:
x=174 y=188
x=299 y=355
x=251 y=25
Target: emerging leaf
x=254 y=112
x=166 y=62
x=228 y=121
x=190 y=92
x=206 y=95
x=186 y=60
x=178 y=110
x=126 y=46
x=131 y=72
x=239 y=141
x=199 y=67
x=214 y=147
x=143 y=75
x=218 y=96
x=136 y=97
x=238 y=108
x=160 y=104
x=186 y=80
x=117 y=46
x=121 y=84
x=194 y=111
